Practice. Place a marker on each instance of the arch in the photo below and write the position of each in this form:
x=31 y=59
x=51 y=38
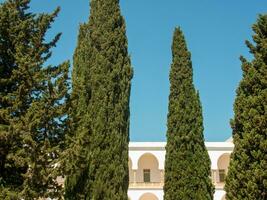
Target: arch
x=223 y=161
x=149 y=157
x=149 y=162
x=148 y=196
x=223 y=164
x=130 y=168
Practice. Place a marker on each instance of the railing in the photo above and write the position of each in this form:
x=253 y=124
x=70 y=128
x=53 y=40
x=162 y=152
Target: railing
x=219 y=185
x=215 y=179
x=151 y=185
x=159 y=185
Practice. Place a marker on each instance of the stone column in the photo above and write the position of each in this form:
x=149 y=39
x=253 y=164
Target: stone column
x=214 y=176
x=134 y=176
x=162 y=176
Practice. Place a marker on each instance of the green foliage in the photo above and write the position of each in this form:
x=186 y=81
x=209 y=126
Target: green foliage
x=187 y=164
x=97 y=160
x=32 y=104
x=247 y=176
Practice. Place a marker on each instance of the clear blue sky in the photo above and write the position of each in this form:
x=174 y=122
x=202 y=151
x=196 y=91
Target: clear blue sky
x=215 y=32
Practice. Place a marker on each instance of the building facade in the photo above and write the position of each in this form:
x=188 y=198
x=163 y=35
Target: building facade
x=146 y=168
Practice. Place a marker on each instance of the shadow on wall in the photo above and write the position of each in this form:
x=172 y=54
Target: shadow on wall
x=148 y=196
x=148 y=169
x=223 y=164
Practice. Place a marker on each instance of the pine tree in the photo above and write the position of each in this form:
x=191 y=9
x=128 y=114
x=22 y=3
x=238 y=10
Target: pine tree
x=99 y=149
x=247 y=176
x=187 y=164
x=32 y=104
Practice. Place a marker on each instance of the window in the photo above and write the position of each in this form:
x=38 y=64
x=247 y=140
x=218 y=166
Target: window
x=222 y=175
x=146 y=175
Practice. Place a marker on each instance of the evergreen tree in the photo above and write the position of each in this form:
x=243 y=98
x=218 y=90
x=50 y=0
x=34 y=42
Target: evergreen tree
x=75 y=160
x=247 y=176
x=32 y=104
x=187 y=163
x=100 y=108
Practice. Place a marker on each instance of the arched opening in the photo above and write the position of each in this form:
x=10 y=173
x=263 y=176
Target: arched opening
x=148 y=169
x=223 y=164
x=148 y=196
x=130 y=167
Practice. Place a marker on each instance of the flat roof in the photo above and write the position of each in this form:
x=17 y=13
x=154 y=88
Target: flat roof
x=161 y=145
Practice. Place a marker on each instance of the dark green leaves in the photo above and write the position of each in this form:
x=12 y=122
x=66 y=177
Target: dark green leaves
x=100 y=107
x=187 y=164
x=247 y=175
x=32 y=104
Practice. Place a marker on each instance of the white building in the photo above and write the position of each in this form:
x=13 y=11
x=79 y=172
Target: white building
x=146 y=168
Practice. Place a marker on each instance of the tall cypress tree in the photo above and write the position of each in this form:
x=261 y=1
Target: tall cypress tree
x=247 y=176
x=99 y=149
x=187 y=163
x=75 y=160
x=32 y=104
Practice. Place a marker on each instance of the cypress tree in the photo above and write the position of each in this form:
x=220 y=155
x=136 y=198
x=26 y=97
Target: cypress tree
x=187 y=163
x=247 y=176
x=100 y=107
x=75 y=160
x=32 y=104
